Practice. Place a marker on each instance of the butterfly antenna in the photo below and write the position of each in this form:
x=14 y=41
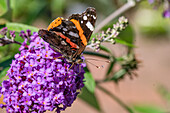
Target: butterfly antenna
x=93 y=64
x=107 y=61
x=71 y=66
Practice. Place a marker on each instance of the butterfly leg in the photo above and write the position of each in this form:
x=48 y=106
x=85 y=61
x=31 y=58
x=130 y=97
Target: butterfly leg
x=71 y=66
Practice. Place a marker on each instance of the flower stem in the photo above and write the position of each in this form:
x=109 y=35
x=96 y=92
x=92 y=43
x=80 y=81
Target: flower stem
x=121 y=103
x=96 y=54
x=125 y=7
x=17 y=42
x=5 y=41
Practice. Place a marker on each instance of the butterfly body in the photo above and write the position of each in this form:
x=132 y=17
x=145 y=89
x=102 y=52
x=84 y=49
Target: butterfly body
x=70 y=36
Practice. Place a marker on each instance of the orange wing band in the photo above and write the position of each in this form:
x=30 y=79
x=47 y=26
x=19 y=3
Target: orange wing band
x=55 y=23
x=82 y=37
x=73 y=45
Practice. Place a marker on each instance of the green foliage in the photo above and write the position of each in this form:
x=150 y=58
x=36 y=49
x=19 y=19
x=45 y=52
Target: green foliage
x=3 y=74
x=19 y=27
x=27 y=11
x=124 y=42
x=103 y=48
x=3 y=7
x=89 y=81
x=148 y=109
x=119 y=74
x=127 y=35
x=89 y=98
x=5 y=62
x=4 y=67
x=34 y=10
x=111 y=65
x=57 y=7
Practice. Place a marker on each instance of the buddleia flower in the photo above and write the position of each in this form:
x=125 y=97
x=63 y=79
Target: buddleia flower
x=40 y=79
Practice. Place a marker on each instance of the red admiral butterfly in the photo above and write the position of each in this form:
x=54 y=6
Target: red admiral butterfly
x=70 y=36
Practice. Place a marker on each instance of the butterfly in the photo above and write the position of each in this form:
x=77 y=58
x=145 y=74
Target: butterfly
x=70 y=36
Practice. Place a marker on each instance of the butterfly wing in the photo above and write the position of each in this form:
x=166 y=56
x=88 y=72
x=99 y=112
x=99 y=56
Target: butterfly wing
x=70 y=36
x=84 y=23
x=55 y=42
x=86 y=20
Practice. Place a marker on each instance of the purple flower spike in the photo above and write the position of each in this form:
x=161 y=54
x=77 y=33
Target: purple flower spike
x=39 y=80
x=166 y=13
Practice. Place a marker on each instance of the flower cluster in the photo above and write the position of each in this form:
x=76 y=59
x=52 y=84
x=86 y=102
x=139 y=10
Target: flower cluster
x=40 y=79
x=3 y=31
x=166 y=4
x=5 y=39
x=109 y=35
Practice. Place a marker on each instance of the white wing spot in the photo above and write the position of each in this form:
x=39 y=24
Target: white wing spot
x=94 y=17
x=64 y=29
x=90 y=26
x=88 y=14
x=84 y=17
x=81 y=21
x=73 y=34
x=63 y=42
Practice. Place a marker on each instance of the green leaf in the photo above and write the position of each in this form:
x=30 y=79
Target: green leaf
x=3 y=75
x=119 y=74
x=127 y=35
x=111 y=65
x=4 y=72
x=5 y=62
x=89 y=98
x=19 y=27
x=3 y=7
x=94 y=35
x=4 y=59
x=148 y=109
x=124 y=42
x=9 y=50
x=105 y=49
x=89 y=81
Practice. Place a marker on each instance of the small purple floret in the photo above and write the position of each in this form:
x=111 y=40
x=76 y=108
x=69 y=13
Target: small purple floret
x=3 y=31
